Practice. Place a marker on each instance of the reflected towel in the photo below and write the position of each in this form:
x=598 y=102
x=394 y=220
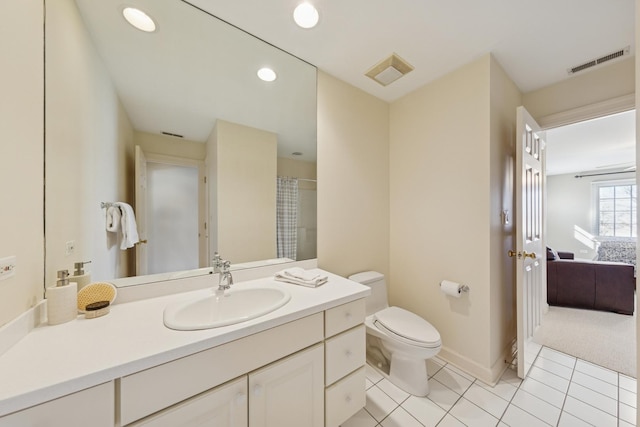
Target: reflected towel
x=300 y=276
x=127 y=226
x=113 y=219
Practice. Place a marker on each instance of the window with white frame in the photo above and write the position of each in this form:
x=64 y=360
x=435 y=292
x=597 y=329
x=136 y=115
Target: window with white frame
x=616 y=208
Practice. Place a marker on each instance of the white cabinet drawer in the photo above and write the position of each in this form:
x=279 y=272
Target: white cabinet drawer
x=345 y=398
x=344 y=353
x=93 y=406
x=343 y=317
x=149 y=391
x=225 y=405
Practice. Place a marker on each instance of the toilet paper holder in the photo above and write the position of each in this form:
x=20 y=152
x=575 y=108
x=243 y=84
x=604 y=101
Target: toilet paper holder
x=453 y=288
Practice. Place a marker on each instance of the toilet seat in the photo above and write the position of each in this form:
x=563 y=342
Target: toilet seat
x=407 y=327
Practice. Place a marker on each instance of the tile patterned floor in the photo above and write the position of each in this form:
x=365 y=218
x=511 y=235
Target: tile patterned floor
x=560 y=390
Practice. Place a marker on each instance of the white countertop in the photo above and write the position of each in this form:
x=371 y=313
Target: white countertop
x=53 y=361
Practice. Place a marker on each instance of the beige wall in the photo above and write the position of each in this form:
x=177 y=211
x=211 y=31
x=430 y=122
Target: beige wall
x=21 y=155
x=597 y=85
x=440 y=208
x=299 y=169
x=353 y=179
x=245 y=168
x=505 y=98
x=89 y=150
x=451 y=178
x=170 y=146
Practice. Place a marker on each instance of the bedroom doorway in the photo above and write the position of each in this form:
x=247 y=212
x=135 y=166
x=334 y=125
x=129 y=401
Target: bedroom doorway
x=591 y=213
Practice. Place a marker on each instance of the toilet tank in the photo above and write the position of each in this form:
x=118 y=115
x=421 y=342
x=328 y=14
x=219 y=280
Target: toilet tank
x=378 y=298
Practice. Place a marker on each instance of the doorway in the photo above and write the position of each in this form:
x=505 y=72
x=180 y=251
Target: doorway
x=583 y=158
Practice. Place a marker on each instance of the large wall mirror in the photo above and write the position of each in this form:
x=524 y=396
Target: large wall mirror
x=176 y=124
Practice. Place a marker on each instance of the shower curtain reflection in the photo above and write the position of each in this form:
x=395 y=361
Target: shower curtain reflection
x=287 y=217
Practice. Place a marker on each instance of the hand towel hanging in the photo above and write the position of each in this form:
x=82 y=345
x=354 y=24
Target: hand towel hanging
x=128 y=226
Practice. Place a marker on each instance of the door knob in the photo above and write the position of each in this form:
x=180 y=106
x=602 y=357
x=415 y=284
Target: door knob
x=523 y=254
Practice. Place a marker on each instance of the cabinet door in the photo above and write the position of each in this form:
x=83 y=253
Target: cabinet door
x=225 y=405
x=289 y=393
x=93 y=406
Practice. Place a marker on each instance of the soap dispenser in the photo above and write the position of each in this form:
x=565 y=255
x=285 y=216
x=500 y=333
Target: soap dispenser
x=62 y=300
x=79 y=275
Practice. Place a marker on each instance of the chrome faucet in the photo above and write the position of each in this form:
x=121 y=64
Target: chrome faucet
x=226 y=279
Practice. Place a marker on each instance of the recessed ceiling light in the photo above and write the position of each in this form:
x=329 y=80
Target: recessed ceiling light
x=305 y=15
x=139 y=19
x=267 y=74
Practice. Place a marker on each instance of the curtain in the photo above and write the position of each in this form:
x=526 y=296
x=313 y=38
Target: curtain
x=287 y=217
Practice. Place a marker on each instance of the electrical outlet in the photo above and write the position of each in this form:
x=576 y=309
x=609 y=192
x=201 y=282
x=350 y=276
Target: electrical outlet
x=7 y=267
x=70 y=247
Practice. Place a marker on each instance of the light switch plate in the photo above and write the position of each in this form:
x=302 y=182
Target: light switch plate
x=7 y=267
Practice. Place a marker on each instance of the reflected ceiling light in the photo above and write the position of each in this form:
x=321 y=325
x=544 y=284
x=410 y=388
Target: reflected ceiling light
x=267 y=74
x=139 y=19
x=305 y=15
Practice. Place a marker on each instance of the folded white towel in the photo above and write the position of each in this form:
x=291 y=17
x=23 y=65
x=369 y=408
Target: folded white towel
x=113 y=219
x=127 y=226
x=300 y=276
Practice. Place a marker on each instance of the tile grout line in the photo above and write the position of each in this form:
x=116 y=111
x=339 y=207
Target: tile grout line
x=566 y=394
x=524 y=391
x=518 y=388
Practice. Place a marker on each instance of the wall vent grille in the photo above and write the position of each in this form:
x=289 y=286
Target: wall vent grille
x=598 y=61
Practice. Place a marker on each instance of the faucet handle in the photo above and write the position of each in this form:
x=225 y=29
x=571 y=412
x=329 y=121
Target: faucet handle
x=217 y=262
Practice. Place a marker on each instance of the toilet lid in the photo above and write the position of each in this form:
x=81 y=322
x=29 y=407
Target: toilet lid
x=407 y=327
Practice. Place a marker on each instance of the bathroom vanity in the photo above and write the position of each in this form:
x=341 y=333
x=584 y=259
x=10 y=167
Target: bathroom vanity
x=300 y=365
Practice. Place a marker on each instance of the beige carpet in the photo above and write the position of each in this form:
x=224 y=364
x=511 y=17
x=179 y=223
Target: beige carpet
x=606 y=339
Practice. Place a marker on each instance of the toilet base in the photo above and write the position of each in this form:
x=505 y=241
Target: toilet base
x=409 y=374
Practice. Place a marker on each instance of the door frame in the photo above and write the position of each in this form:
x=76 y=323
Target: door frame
x=589 y=112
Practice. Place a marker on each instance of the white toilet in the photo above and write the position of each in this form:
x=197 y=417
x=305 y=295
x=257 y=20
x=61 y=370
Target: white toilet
x=399 y=342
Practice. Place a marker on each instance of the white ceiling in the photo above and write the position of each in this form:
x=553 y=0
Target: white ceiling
x=195 y=70
x=534 y=41
x=597 y=146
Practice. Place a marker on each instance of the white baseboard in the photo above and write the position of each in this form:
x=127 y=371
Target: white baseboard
x=488 y=375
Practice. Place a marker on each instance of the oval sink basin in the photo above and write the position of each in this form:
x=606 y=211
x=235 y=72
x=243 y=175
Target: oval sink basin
x=213 y=311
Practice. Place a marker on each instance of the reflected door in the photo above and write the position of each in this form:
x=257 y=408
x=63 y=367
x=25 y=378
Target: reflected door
x=172 y=218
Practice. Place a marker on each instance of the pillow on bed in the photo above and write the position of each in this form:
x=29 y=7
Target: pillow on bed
x=552 y=255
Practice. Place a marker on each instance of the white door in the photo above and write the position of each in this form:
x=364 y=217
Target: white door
x=530 y=251
x=172 y=217
x=140 y=195
x=289 y=393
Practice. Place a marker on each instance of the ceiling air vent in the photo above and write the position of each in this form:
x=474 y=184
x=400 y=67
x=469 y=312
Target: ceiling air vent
x=389 y=70
x=175 y=135
x=598 y=61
